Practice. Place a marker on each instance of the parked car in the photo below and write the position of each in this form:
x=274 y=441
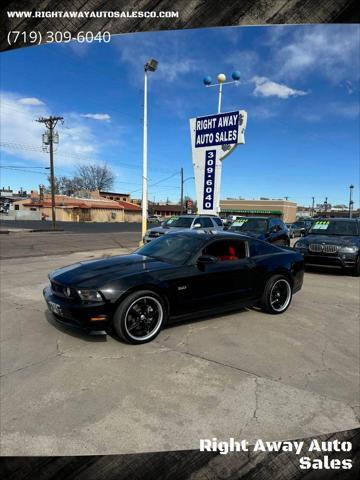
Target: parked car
x=293 y=231
x=272 y=230
x=184 y=222
x=154 y=219
x=230 y=219
x=332 y=243
x=174 y=277
x=301 y=227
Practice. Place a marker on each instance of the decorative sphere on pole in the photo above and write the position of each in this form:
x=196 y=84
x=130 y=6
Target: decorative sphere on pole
x=236 y=75
x=221 y=78
x=207 y=80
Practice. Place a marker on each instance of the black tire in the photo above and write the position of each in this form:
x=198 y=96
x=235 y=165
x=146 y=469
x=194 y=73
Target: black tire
x=139 y=317
x=270 y=302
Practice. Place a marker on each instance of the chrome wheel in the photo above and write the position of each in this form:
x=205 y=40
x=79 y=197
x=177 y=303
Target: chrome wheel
x=143 y=318
x=280 y=295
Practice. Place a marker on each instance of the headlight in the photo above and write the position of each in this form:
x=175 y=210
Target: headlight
x=90 y=295
x=300 y=246
x=351 y=249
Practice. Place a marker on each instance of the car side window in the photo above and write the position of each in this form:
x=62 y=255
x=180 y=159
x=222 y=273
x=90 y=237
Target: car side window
x=226 y=250
x=217 y=221
x=271 y=224
x=260 y=248
x=281 y=225
x=205 y=222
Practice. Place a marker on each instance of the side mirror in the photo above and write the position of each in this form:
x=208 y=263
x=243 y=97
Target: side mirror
x=206 y=260
x=197 y=225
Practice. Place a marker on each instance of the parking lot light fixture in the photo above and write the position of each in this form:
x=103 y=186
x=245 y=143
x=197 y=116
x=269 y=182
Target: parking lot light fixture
x=150 y=66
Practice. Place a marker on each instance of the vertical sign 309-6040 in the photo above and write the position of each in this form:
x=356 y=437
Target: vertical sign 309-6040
x=209 y=180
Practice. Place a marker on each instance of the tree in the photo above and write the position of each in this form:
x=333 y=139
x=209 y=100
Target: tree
x=65 y=185
x=89 y=177
x=95 y=177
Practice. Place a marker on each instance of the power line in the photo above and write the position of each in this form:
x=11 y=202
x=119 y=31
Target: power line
x=64 y=154
x=25 y=171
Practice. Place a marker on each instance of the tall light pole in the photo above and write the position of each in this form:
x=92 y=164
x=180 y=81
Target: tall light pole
x=221 y=78
x=351 y=188
x=149 y=66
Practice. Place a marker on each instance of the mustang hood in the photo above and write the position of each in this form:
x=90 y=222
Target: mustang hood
x=96 y=273
x=164 y=229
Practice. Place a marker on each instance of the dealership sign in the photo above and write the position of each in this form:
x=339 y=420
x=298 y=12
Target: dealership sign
x=212 y=138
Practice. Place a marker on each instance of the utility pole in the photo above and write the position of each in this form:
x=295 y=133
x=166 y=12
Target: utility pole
x=48 y=139
x=325 y=205
x=182 y=190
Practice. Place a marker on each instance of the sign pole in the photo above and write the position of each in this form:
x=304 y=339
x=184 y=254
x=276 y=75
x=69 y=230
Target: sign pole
x=220 y=95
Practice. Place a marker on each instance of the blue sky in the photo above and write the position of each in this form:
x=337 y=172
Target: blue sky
x=299 y=85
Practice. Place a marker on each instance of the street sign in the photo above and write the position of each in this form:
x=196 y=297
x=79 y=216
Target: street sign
x=213 y=137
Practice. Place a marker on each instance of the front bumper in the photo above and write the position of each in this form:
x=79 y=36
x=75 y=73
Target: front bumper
x=340 y=261
x=78 y=315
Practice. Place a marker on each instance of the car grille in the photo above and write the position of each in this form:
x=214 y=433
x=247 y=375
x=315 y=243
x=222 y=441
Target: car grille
x=318 y=248
x=330 y=248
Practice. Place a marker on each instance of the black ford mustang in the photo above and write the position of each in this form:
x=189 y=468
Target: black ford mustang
x=174 y=277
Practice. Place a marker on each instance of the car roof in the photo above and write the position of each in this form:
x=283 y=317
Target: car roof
x=262 y=218
x=340 y=219
x=193 y=215
x=208 y=234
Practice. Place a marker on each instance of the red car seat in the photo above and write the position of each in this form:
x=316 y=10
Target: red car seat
x=231 y=255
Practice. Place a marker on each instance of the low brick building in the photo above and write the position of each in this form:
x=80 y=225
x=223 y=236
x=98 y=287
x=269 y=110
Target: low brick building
x=273 y=208
x=73 y=209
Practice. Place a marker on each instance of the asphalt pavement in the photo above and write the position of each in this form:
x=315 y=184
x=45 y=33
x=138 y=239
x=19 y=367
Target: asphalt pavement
x=20 y=244
x=243 y=375
x=81 y=227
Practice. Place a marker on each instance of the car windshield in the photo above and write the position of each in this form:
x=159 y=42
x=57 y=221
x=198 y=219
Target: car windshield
x=331 y=227
x=179 y=222
x=172 y=248
x=258 y=225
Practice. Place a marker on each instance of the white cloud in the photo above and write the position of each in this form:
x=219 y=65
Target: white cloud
x=32 y=101
x=136 y=53
x=21 y=135
x=102 y=117
x=267 y=88
x=331 y=50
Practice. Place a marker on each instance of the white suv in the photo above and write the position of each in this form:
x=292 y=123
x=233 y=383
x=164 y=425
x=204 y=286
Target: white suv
x=211 y=222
